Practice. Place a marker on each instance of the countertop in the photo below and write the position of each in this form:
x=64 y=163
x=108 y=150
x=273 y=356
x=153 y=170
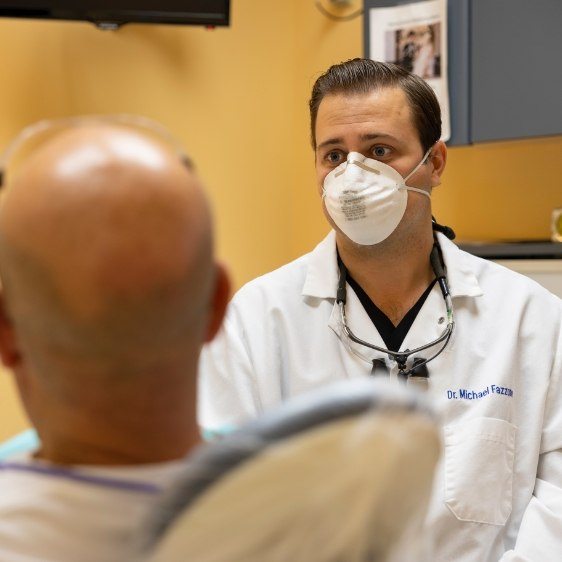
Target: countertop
x=517 y=250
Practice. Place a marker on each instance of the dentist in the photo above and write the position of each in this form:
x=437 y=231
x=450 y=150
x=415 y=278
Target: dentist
x=387 y=293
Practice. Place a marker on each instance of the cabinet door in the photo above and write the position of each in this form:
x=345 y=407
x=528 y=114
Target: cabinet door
x=516 y=69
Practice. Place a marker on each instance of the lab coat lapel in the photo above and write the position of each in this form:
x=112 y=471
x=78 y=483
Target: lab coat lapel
x=462 y=280
x=321 y=281
x=428 y=325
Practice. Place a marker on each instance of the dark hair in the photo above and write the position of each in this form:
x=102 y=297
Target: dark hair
x=362 y=76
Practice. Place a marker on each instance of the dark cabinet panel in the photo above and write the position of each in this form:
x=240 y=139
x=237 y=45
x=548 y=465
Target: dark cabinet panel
x=516 y=60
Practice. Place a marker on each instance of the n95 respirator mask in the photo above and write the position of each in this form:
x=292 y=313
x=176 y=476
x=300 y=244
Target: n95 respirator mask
x=367 y=198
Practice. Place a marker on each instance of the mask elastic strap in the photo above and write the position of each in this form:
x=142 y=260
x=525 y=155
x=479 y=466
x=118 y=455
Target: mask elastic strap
x=419 y=165
x=423 y=192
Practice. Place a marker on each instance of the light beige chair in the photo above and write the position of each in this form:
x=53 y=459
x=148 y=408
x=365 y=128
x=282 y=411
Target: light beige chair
x=340 y=475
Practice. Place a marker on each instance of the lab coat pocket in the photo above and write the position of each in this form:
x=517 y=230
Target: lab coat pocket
x=479 y=456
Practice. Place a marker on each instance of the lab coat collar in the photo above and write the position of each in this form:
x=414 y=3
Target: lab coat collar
x=322 y=273
x=460 y=275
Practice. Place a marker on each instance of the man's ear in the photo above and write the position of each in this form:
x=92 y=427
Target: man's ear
x=220 y=298
x=438 y=159
x=9 y=351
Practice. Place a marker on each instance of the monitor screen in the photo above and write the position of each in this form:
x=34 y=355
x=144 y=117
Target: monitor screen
x=118 y=12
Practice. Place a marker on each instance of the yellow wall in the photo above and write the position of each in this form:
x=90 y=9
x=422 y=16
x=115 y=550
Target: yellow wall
x=237 y=99
x=502 y=190
x=228 y=94
x=12 y=418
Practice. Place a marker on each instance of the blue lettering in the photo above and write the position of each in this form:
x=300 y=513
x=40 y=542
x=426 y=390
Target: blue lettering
x=465 y=394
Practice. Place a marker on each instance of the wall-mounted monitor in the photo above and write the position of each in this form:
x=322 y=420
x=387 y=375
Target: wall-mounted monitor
x=113 y=13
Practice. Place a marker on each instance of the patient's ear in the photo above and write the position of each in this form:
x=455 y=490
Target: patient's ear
x=9 y=350
x=220 y=298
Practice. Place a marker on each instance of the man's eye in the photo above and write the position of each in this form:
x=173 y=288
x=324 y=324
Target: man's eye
x=334 y=157
x=380 y=151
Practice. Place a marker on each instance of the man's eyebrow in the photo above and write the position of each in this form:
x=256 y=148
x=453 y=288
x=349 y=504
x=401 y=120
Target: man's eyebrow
x=330 y=142
x=374 y=136
x=365 y=137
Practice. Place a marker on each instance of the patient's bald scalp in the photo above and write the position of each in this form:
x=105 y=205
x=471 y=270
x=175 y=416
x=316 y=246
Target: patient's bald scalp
x=104 y=235
x=109 y=290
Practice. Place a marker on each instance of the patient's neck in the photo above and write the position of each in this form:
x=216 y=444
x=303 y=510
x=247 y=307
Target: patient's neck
x=149 y=425
x=118 y=448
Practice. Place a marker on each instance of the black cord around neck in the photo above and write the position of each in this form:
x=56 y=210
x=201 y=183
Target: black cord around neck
x=446 y=230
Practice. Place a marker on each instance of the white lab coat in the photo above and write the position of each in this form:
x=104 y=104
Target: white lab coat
x=498 y=489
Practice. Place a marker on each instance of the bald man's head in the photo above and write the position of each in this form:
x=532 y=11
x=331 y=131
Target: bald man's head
x=106 y=252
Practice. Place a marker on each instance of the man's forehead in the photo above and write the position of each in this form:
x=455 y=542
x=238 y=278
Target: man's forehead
x=386 y=107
